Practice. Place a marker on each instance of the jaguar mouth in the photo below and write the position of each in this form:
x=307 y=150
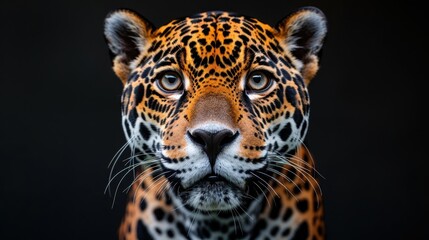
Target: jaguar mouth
x=211 y=193
x=213 y=178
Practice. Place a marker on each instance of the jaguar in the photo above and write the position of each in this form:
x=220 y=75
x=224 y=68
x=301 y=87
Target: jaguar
x=215 y=110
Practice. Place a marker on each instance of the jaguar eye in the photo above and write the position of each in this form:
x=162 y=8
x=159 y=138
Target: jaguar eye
x=170 y=82
x=258 y=81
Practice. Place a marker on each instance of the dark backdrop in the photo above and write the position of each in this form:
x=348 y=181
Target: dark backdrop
x=60 y=115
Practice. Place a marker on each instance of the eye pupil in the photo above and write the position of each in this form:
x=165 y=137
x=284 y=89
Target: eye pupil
x=170 y=78
x=257 y=78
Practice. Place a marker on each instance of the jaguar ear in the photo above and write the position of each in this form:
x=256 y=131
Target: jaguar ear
x=303 y=33
x=126 y=34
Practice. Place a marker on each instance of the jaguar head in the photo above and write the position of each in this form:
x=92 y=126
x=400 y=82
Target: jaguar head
x=213 y=101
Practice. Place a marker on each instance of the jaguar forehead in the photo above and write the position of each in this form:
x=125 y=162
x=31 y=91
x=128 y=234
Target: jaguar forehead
x=216 y=37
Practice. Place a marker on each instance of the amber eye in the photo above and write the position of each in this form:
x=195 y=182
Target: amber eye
x=170 y=82
x=258 y=81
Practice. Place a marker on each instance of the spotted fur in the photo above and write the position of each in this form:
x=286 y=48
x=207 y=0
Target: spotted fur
x=215 y=109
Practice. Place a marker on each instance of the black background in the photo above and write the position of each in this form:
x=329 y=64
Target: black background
x=60 y=115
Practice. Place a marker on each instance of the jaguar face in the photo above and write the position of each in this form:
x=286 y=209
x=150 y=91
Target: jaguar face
x=213 y=103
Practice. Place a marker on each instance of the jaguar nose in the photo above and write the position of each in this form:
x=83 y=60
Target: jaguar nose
x=212 y=142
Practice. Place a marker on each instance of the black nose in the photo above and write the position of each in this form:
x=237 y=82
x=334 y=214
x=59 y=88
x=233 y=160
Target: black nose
x=212 y=142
